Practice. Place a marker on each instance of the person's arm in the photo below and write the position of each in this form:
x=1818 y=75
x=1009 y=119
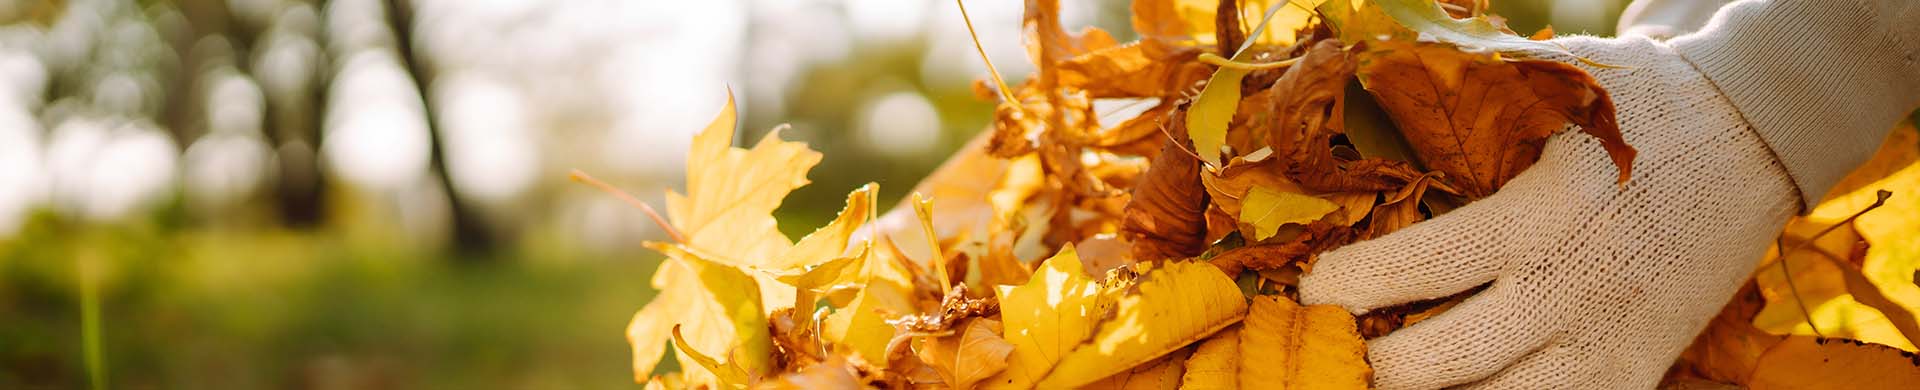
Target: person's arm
x=1821 y=81
x=1594 y=285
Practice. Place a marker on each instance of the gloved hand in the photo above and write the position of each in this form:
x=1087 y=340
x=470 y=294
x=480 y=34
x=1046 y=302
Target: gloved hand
x=1594 y=285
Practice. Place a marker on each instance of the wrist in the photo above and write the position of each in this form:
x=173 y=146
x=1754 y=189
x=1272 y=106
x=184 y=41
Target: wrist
x=1821 y=98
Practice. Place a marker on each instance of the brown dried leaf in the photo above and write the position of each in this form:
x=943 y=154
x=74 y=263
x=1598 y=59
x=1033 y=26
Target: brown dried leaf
x=1481 y=119
x=973 y=354
x=1164 y=218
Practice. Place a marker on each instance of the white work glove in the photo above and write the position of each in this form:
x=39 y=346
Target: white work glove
x=1598 y=286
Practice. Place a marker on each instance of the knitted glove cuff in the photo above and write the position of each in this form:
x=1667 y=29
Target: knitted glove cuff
x=1820 y=81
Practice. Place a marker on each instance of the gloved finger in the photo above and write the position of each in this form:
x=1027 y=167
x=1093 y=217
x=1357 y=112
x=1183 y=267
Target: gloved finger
x=1430 y=259
x=1561 y=365
x=1481 y=336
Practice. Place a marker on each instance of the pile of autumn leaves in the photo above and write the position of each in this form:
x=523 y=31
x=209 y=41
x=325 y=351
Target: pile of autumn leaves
x=1157 y=252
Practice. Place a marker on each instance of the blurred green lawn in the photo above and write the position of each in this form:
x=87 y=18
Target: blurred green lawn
x=253 y=309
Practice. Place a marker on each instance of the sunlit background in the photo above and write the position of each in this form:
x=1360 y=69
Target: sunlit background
x=372 y=193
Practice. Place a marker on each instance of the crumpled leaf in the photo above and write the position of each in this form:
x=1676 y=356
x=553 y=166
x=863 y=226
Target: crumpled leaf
x=748 y=349
x=1266 y=209
x=1802 y=362
x=1311 y=347
x=976 y=353
x=1165 y=216
x=1174 y=305
x=1480 y=119
x=1400 y=209
x=1046 y=317
x=1215 y=365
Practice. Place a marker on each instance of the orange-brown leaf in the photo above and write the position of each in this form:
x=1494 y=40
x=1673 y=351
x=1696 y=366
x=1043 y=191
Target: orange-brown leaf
x=1481 y=119
x=1165 y=219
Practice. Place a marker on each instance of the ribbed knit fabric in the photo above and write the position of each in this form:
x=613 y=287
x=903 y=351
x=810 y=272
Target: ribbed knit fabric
x=1662 y=19
x=1821 y=80
x=1597 y=286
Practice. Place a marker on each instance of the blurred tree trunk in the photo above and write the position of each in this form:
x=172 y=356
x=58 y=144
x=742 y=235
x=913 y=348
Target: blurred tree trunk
x=472 y=235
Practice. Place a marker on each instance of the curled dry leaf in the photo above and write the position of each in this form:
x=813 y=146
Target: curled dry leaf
x=1164 y=218
x=1481 y=119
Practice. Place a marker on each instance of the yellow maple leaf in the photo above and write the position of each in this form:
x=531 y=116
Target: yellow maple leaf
x=1311 y=347
x=1174 y=305
x=1054 y=311
x=729 y=323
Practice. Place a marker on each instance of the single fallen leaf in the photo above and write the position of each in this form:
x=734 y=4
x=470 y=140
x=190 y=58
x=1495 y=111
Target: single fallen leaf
x=1174 y=305
x=1164 y=217
x=976 y=353
x=1802 y=362
x=1266 y=209
x=727 y=214
x=1160 y=374
x=1215 y=365
x=1046 y=317
x=1311 y=347
x=1227 y=188
x=1480 y=119
x=1260 y=257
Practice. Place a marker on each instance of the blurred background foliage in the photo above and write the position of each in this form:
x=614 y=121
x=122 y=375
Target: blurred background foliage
x=371 y=193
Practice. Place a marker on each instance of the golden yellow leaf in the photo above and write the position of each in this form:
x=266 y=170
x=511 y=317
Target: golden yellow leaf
x=1889 y=264
x=976 y=353
x=1266 y=209
x=1045 y=318
x=1216 y=364
x=1802 y=362
x=1172 y=306
x=733 y=325
x=886 y=293
x=1160 y=374
x=1312 y=347
x=1208 y=116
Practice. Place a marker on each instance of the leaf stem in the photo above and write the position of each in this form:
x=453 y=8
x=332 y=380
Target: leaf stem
x=1217 y=60
x=1005 y=93
x=582 y=177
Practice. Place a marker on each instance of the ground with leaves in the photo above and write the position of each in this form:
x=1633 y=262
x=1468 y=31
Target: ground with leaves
x=1162 y=251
